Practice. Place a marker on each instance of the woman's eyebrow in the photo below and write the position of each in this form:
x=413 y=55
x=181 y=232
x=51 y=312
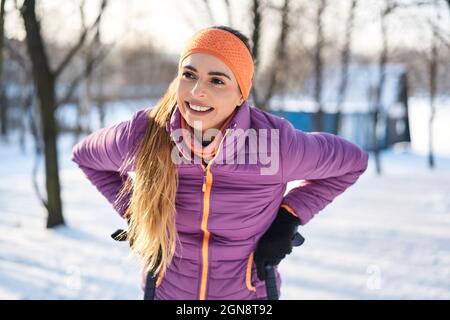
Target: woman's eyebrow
x=212 y=73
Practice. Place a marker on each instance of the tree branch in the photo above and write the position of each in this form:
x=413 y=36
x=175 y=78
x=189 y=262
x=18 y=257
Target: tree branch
x=86 y=31
x=89 y=68
x=38 y=150
x=229 y=14
x=209 y=11
x=439 y=33
x=18 y=57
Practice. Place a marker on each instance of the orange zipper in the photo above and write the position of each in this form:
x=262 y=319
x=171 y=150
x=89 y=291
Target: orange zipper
x=248 y=274
x=206 y=189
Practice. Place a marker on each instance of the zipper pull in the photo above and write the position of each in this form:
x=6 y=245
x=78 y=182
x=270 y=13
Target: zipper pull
x=204 y=184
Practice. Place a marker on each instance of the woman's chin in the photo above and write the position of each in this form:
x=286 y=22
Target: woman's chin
x=197 y=124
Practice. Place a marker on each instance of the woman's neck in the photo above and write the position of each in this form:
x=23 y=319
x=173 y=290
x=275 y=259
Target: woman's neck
x=199 y=136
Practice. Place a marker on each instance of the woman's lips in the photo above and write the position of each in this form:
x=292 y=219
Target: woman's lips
x=195 y=112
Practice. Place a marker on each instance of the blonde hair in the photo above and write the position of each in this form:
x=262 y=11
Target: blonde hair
x=151 y=211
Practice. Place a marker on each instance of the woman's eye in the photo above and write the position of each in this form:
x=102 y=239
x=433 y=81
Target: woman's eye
x=217 y=81
x=187 y=74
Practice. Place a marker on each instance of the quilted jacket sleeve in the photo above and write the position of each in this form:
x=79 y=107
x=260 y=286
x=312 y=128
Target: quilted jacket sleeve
x=101 y=155
x=326 y=163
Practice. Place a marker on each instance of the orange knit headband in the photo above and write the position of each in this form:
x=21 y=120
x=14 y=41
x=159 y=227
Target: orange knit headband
x=228 y=48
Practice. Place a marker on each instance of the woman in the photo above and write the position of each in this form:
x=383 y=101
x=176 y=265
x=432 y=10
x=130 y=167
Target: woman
x=206 y=206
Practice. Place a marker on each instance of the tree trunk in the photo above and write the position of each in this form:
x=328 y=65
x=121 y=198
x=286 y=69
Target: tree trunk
x=318 y=66
x=229 y=13
x=345 y=60
x=3 y=98
x=3 y=112
x=380 y=86
x=100 y=78
x=433 y=71
x=256 y=38
x=279 y=69
x=101 y=101
x=209 y=12
x=45 y=85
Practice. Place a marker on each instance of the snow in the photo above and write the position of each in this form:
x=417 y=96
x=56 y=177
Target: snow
x=78 y=261
x=419 y=113
x=386 y=237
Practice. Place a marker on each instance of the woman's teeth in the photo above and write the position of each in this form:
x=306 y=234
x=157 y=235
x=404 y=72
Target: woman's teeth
x=199 y=108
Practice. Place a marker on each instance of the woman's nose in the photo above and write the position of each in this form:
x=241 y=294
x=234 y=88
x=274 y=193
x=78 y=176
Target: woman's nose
x=198 y=89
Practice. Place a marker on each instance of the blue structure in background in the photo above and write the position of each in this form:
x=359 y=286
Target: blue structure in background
x=357 y=127
x=357 y=108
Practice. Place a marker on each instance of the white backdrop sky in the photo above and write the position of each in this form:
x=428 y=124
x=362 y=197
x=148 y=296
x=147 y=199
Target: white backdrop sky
x=169 y=23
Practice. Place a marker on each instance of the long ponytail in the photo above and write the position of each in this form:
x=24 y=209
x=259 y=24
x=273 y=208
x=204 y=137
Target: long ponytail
x=151 y=211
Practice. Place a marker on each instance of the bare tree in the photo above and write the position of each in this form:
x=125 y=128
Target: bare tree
x=3 y=102
x=209 y=11
x=318 y=64
x=344 y=64
x=229 y=14
x=89 y=65
x=256 y=12
x=388 y=9
x=84 y=96
x=21 y=68
x=45 y=80
x=201 y=8
x=278 y=67
x=27 y=104
x=84 y=99
x=28 y=110
x=99 y=77
x=433 y=67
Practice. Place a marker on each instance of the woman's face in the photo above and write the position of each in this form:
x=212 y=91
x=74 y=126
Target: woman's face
x=206 y=81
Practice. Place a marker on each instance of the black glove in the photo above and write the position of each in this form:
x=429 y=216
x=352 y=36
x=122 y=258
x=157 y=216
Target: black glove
x=122 y=235
x=277 y=241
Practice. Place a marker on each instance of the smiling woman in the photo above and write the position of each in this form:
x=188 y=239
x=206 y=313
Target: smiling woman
x=210 y=229
x=204 y=97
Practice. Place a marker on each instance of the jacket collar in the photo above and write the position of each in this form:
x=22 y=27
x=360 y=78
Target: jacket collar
x=238 y=125
x=241 y=119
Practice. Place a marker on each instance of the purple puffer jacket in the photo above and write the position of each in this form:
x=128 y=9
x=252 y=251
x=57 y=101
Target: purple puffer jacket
x=223 y=209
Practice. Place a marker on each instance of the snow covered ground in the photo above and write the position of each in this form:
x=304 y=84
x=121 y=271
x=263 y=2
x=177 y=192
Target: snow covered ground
x=387 y=237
